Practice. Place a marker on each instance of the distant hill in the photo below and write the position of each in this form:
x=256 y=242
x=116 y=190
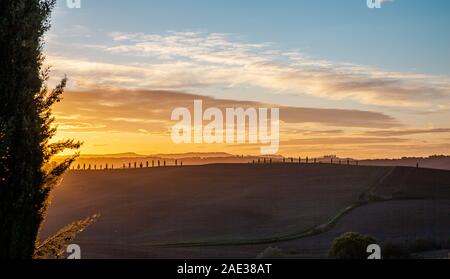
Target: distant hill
x=126 y=160
x=195 y=155
x=203 y=158
x=117 y=155
x=433 y=162
x=161 y=155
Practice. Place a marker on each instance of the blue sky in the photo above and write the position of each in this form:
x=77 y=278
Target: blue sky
x=406 y=35
x=391 y=64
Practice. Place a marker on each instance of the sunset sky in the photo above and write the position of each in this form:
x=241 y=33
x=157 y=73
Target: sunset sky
x=349 y=80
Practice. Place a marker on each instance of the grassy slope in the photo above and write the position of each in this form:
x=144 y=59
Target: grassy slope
x=218 y=202
x=207 y=202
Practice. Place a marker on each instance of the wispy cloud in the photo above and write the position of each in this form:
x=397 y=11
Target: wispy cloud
x=343 y=141
x=407 y=132
x=127 y=118
x=138 y=110
x=189 y=60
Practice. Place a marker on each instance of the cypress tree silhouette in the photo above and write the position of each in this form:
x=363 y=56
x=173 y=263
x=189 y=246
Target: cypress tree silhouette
x=26 y=127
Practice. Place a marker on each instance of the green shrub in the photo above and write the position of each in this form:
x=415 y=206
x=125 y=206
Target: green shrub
x=351 y=246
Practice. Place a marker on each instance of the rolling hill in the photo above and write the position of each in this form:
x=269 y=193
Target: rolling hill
x=196 y=211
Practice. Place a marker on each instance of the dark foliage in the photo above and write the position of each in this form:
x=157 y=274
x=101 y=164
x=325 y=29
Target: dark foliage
x=55 y=246
x=26 y=126
x=351 y=246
